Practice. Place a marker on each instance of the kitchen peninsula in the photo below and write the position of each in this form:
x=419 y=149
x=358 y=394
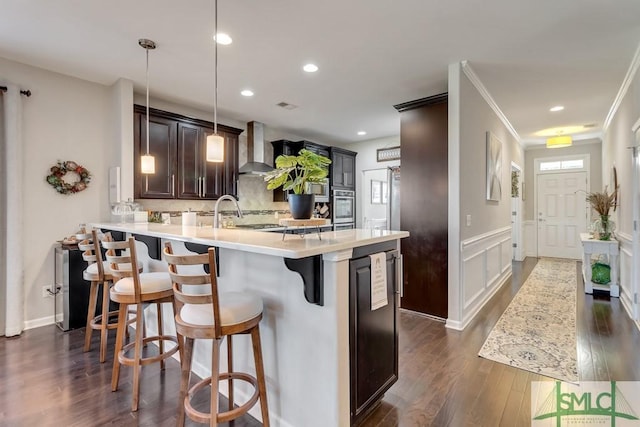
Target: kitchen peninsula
x=328 y=356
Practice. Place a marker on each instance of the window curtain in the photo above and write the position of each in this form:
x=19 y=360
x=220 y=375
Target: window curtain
x=12 y=274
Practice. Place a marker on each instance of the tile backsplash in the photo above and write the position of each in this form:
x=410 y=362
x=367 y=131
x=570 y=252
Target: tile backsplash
x=252 y=194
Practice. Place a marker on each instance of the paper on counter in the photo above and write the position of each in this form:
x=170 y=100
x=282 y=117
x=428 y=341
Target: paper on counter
x=378 y=280
x=189 y=219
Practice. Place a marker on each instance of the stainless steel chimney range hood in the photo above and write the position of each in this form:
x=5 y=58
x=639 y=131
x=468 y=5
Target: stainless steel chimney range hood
x=256 y=164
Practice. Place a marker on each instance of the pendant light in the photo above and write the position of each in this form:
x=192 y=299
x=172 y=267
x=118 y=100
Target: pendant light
x=147 y=161
x=215 y=142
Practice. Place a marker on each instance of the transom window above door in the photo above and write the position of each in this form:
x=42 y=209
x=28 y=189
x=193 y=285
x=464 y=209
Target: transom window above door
x=562 y=165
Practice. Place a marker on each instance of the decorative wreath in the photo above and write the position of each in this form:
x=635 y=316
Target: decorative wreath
x=60 y=170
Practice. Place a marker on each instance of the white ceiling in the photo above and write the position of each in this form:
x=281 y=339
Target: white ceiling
x=372 y=54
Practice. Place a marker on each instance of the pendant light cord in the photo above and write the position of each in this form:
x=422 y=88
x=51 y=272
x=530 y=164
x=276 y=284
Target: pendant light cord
x=147 y=49
x=215 y=66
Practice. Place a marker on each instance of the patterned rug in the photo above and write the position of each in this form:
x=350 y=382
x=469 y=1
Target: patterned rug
x=537 y=332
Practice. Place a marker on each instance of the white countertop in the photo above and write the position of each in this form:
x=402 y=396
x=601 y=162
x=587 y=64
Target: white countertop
x=293 y=246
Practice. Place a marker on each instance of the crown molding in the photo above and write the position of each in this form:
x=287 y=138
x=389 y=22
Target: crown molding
x=475 y=81
x=631 y=73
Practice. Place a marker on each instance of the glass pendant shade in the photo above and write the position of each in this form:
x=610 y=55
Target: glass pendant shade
x=215 y=148
x=559 y=141
x=147 y=164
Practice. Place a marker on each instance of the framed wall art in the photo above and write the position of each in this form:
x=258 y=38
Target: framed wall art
x=494 y=168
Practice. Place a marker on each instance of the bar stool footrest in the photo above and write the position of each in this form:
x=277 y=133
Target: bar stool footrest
x=129 y=361
x=202 y=417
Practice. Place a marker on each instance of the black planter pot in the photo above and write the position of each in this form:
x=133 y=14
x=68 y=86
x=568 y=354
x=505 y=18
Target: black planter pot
x=301 y=205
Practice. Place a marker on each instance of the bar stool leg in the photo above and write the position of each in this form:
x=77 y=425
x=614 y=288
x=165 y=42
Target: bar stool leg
x=122 y=324
x=161 y=343
x=185 y=366
x=230 y=369
x=93 y=296
x=104 y=323
x=137 y=355
x=215 y=375
x=262 y=385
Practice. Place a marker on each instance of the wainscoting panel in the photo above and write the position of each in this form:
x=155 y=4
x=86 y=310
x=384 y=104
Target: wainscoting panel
x=530 y=238
x=626 y=259
x=486 y=264
x=474 y=267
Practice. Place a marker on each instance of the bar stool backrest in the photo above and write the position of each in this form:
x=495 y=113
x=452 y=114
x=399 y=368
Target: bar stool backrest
x=180 y=279
x=121 y=255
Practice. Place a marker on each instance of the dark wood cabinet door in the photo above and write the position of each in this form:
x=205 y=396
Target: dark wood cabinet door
x=373 y=337
x=424 y=206
x=230 y=174
x=190 y=159
x=162 y=145
x=343 y=169
x=349 y=171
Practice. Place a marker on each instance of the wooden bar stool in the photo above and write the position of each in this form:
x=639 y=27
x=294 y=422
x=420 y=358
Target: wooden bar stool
x=214 y=316
x=99 y=274
x=132 y=287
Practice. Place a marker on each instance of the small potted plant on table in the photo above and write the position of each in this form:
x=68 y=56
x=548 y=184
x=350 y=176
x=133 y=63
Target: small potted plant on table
x=294 y=173
x=602 y=204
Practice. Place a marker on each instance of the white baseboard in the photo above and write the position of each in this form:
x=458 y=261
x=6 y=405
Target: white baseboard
x=43 y=321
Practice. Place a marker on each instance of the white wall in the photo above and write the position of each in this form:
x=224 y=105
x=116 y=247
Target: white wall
x=618 y=136
x=479 y=251
x=64 y=119
x=367 y=160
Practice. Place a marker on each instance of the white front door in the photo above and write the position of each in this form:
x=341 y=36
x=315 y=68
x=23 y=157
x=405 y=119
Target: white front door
x=562 y=214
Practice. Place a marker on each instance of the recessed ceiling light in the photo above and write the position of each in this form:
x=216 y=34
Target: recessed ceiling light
x=361 y=132
x=223 y=38
x=310 y=68
x=246 y=92
x=556 y=108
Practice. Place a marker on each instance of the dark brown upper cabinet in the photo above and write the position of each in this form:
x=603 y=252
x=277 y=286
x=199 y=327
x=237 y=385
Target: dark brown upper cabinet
x=343 y=169
x=179 y=146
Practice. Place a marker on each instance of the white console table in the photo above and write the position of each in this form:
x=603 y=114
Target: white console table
x=607 y=247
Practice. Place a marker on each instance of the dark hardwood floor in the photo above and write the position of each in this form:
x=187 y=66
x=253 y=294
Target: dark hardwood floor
x=46 y=379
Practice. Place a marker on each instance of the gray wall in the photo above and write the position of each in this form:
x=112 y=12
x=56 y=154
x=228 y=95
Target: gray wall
x=617 y=138
x=476 y=118
x=593 y=147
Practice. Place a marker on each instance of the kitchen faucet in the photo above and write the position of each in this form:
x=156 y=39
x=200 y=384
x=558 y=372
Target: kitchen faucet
x=216 y=222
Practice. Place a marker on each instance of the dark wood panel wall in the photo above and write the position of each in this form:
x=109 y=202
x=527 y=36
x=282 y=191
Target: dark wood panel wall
x=424 y=204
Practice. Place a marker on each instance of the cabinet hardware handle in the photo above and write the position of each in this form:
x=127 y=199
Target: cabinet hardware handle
x=173 y=184
x=400 y=276
x=204 y=187
x=344 y=177
x=199 y=186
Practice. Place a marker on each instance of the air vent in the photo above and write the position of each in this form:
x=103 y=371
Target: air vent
x=286 y=105
x=589 y=125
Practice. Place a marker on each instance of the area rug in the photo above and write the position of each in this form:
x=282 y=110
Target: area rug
x=537 y=331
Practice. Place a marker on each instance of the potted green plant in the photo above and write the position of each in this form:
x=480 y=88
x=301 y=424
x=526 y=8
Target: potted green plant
x=295 y=173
